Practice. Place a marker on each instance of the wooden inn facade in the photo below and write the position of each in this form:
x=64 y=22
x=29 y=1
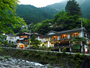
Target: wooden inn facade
x=61 y=39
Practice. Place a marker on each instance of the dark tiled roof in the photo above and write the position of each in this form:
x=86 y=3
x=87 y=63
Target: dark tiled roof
x=65 y=31
x=72 y=30
x=25 y=33
x=51 y=31
x=35 y=34
x=10 y=35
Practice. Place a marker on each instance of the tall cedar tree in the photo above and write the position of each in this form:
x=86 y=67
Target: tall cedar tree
x=72 y=7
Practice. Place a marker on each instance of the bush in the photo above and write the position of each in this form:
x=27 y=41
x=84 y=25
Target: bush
x=43 y=45
x=1 y=49
x=34 y=47
x=64 y=50
x=25 y=53
x=42 y=48
x=6 y=57
x=51 y=48
x=1 y=58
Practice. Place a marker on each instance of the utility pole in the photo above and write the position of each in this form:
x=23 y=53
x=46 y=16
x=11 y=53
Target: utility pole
x=82 y=35
x=82 y=27
x=29 y=37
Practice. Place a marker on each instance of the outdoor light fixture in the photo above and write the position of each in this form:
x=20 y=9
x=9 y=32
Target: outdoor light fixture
x=21 y=46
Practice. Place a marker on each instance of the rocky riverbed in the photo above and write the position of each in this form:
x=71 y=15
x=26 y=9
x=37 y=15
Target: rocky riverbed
x=8 y=62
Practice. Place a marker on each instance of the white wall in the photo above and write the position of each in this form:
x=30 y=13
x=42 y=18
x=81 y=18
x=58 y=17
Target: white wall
x=12 y=38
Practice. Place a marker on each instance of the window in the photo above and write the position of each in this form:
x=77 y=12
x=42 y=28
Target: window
x=21 y=36
x=74 y=34
x=11 y=38
x=9 y=41
x=22 y=41
x=87 y=42
x=25 y=40
x=25 y=36
x=40 y=37
x=63 y=36
x=17 y=41
x=53 y=37
x=47 y=39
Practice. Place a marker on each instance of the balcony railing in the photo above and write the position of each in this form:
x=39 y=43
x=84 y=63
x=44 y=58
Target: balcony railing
x=72 y=37
x=53 y=39
x=56 y=45
x=63 y=38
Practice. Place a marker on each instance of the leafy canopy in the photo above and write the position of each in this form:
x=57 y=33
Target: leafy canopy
x=35 y=41
x=77 y=40
x=72 y=7
x=8 y=16
x=65 y=21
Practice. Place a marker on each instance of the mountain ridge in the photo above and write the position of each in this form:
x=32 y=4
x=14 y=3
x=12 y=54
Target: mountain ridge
x=33 y=14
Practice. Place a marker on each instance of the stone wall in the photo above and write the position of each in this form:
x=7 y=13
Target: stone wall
x=46 y=57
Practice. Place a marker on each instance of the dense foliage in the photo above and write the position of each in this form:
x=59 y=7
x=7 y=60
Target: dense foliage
x=85 y=8
x=7 y=15
x=72 y=7
x=32 y=14
x=58 y=6
x=83 y=4
x=49 y=10
x=61 y=21
x=64 y=20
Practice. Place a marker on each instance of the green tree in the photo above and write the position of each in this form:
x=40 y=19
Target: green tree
x=33 y=38
x=66 y=22
x=77 y=40
x=72 y=7
x=32 y=14
x=35 y=41
x=36 y=27
x=31 y=26
x=43 y=29
x=23 y=30
x=8 y=16
x=47 y=21
x=5 y=43
x=72 y=22
x=2 y=37
x=59 y=15
x=17 y=29
x=86 y=24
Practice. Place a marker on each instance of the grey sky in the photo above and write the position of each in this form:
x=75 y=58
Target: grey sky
x=39 y=3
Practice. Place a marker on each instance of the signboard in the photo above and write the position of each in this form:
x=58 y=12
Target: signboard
x=76 y=46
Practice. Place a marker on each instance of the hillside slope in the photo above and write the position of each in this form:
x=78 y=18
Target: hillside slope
x=58 y=6
x=50 y=10
x=32 y=14
x=35 y=15
x=85 y=8
x=84 y=4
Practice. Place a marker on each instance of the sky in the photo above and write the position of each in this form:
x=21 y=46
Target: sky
x=39 y=3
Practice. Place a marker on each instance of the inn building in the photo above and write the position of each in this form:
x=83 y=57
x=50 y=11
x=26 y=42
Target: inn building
x=61 y=39
x=23 y=39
